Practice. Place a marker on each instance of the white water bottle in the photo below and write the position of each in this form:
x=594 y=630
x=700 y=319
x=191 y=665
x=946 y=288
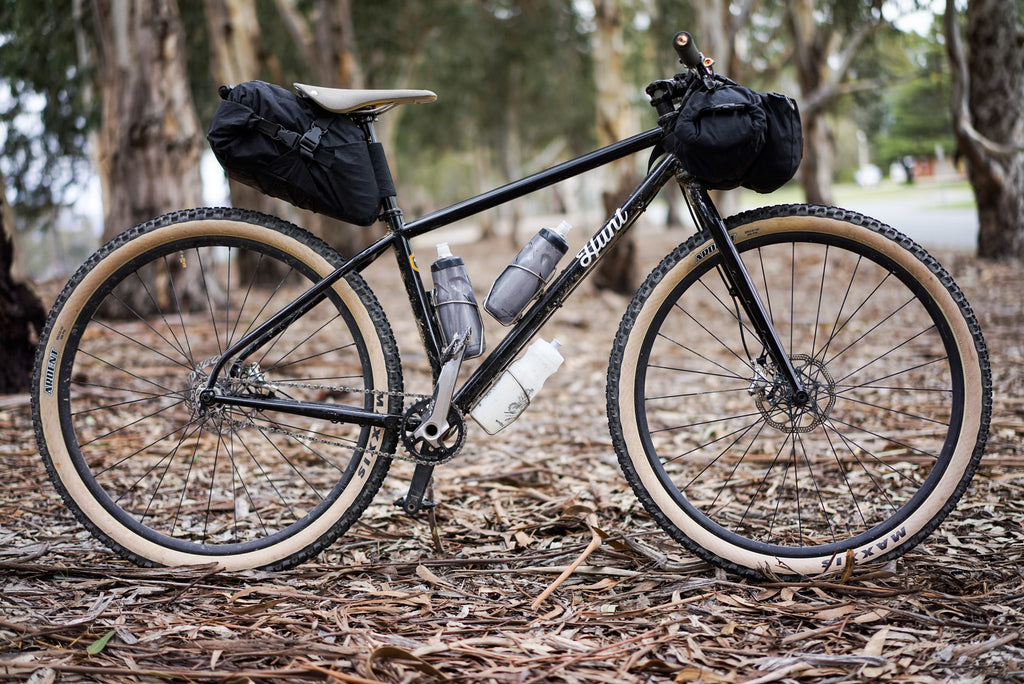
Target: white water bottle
x=523 y=278
x=517 y=386
x=453 y=297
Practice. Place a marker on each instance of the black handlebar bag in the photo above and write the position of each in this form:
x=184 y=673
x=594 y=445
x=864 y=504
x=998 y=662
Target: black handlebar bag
x=783 y=145
x=288 y=147
x=729 y=136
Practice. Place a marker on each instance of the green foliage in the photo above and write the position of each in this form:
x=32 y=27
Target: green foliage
x=512 y=76
x=96 y=647
x=496 y=65
x=45 y=111
x=908 y=113
x=919 y=120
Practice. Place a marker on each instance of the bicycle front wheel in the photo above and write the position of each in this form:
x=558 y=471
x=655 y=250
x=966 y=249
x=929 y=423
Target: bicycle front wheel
x=736 y=468
x=130 y=343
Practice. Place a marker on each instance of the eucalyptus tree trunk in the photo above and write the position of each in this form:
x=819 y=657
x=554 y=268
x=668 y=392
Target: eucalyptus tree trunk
x=337 y=66
x=720 y=23
x=235 y=48
x=150 y=136
x=618 y=271
x=988 y=117
x=149 y=140
x=335 y=40
x=21 y=313
x=823 y=52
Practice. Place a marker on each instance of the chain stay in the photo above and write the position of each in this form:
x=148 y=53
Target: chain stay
x=398 y=454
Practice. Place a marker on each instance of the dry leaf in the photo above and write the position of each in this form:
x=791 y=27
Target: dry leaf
x=876 y=643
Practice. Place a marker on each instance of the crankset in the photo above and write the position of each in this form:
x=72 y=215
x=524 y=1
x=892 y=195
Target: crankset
x=440 y=449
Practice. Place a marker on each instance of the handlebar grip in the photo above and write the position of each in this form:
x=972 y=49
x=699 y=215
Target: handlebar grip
x=687 y=50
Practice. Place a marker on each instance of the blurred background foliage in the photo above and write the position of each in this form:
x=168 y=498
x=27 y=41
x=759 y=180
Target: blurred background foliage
x=515 y=80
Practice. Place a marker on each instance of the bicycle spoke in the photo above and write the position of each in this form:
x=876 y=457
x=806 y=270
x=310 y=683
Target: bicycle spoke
x=798 y=475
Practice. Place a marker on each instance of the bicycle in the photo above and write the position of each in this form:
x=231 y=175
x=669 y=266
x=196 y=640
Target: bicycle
x=836 y=419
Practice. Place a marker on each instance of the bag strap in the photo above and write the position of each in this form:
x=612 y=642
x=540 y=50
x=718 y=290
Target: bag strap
x=307 y=143
x=275 y=131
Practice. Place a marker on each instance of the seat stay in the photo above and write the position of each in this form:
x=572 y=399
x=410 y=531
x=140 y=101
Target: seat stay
x=348 y=101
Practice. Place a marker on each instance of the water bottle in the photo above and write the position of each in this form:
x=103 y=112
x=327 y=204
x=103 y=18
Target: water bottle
x=453 y=297
x=522 y=279
x=510 y=396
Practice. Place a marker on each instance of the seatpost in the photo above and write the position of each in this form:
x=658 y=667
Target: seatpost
x=741 y=286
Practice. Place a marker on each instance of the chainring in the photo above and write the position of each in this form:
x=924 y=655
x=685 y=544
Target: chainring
x=423 y=451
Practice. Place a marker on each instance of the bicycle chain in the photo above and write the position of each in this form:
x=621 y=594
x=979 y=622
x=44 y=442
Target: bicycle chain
x=398 y=453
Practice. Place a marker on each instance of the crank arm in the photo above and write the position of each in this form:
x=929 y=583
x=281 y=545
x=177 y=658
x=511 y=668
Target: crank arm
x=435 y=424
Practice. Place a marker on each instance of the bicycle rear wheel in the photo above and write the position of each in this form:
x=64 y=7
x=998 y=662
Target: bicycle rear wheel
x=129 y=344
x=731 y=465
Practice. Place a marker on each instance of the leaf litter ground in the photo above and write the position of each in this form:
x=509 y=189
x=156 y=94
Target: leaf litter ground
x=470 y=591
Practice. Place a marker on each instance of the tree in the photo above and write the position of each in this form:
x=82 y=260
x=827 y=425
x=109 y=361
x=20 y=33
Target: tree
x=236 y=46
x=988 y=117
x=21 y=313
x=616 y=120
x=514 y=84
x=911 y=117
x=826 y=38
x=44 y=83
x=323 y=41
x=338 y=66
x=148 y=146
x=723 y=24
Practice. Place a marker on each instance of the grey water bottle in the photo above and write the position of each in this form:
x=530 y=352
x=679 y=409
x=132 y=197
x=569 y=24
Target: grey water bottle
x=453 y=297
x=523 y=278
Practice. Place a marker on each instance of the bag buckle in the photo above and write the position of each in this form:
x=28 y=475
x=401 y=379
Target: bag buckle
x=310 y=141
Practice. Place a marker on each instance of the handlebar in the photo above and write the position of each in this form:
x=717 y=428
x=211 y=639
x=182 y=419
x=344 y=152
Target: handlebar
x=687 y=50
x=664 y=93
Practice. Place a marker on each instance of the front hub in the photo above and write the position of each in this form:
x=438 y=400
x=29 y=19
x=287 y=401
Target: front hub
x=794 y=412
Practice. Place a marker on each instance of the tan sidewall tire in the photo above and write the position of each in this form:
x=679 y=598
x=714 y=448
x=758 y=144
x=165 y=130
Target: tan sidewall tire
x=49 y=415
x=960 y=465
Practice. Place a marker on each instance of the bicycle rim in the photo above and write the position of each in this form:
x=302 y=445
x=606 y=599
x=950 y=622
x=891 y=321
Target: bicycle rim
x=165 y=482
x=730 y=463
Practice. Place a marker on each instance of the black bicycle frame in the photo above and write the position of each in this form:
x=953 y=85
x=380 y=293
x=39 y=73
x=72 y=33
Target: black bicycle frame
x=582 y=264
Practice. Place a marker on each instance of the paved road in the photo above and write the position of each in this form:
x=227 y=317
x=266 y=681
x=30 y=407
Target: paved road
x=933 y=216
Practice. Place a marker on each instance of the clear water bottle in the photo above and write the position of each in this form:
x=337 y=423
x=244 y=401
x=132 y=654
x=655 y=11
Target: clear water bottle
x=522 y=279
x=510 y=396
x=456 y=305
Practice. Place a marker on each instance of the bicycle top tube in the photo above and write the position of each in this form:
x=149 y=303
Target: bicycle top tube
x=532 y=183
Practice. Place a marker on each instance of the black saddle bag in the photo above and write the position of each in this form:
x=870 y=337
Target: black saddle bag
x=730 y=136
x=288 y=147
